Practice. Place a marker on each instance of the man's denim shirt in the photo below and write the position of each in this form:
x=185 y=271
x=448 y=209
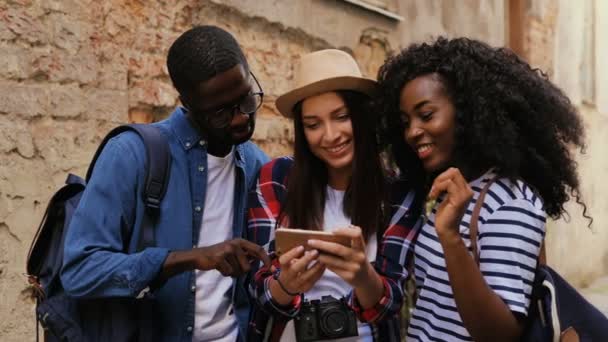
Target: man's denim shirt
x=96 y=262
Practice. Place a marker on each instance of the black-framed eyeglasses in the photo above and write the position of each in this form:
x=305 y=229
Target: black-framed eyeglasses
x=248 y=105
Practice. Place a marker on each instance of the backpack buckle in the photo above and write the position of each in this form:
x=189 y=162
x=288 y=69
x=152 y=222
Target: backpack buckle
x=152 y=203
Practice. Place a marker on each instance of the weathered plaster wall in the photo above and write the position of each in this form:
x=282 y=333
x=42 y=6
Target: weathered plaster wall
x=341 y=23
x=337 y=21
x=560 y=39
x=601 y=54
x=479 y=19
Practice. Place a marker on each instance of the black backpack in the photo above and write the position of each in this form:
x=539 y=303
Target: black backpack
x=557 y=311
x=105 y=319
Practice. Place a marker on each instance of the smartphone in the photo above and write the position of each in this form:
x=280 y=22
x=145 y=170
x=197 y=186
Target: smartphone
x=288 y=238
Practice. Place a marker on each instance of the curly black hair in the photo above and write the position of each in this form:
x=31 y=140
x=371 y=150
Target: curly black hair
x=508 y=116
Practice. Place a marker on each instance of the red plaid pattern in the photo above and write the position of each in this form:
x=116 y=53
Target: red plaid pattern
x=395 y=250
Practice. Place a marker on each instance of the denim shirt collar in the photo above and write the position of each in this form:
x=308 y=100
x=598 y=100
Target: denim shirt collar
x=189 y=137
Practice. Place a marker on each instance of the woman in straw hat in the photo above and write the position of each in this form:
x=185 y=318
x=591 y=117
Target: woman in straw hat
x=334 y=182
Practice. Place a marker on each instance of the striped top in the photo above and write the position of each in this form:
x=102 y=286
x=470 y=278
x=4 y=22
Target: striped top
x=511 y=229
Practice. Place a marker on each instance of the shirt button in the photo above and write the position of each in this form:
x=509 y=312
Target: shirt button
x=193 y=288
x=202 y=142
x=201 y=168
x=189 y=328
x=197 y=208
x=188 y=144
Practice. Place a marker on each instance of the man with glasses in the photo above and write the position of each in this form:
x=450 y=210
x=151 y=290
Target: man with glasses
x=194 y=269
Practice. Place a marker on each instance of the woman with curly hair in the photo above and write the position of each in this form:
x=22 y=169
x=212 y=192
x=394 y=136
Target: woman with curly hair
x=460 y=114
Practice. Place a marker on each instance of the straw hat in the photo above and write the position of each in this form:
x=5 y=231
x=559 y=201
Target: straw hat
x=322 y=71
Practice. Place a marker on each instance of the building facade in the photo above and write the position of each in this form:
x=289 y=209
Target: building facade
x=71 y=70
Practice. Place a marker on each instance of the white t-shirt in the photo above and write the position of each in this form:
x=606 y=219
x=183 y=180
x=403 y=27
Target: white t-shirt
x=214 y=318
x=330 y=284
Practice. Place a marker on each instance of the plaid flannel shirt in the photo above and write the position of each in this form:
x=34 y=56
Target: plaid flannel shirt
x=395 y=251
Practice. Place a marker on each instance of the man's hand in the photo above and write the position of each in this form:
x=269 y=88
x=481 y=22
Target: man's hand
x=232 y=258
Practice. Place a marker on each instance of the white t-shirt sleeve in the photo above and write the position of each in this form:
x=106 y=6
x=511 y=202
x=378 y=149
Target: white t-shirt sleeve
x=509 y=245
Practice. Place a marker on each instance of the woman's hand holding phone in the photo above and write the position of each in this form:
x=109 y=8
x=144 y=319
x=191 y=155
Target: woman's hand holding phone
x=296 y=276
x=351 y=264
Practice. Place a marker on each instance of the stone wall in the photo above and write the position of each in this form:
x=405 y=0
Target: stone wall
x=72 y=70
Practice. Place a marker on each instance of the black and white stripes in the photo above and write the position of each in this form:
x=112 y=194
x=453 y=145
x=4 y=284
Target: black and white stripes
x=511 y=229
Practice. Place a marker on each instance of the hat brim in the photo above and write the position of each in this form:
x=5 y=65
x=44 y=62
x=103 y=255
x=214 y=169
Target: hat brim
x=287 y=101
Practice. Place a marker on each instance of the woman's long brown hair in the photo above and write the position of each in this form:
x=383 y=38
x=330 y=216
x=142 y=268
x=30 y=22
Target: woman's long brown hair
x=365 y=198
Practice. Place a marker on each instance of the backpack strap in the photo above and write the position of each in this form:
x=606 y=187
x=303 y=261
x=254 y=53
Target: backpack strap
x=158 y=166
x=473 y=225
x=542 y=257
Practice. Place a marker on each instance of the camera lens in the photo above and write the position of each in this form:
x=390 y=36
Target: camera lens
x=333 y=322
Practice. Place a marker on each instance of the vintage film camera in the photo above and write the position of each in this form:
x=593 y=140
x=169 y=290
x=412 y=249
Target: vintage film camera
x=328 y=318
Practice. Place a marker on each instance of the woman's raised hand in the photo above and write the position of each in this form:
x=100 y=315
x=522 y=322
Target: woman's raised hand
x=349 y=263
x=450 y=211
